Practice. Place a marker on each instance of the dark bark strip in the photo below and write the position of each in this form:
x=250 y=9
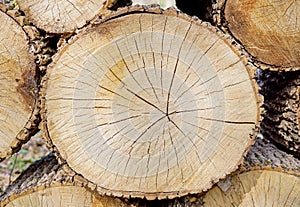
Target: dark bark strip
x=281 y=102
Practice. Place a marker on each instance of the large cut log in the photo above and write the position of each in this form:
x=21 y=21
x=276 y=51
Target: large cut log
x=152 y=102
x=45 y=183
x=63 y=16
x=281 y=91
x=269 y=30
x=18 y=88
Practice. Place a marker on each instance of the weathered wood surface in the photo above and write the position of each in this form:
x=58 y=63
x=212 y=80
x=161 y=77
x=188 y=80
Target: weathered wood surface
x=63 y=16
x=18 y=88
x=152 y=103
x=281 y=91
x=268 y=29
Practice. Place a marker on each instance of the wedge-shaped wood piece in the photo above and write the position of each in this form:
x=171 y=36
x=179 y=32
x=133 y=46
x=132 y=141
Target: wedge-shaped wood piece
x=268 y=29
x=44 y=183
x=151 y=105
x=18 y=87
x=62 y=16
x=257 y=188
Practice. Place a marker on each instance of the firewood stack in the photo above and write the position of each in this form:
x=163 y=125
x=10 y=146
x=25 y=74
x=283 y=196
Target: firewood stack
x=142 y=106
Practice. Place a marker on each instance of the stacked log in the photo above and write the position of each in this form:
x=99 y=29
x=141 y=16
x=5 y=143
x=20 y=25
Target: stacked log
x=151 y=113
x=18 y=88
x=150 y=107
x=65 y=16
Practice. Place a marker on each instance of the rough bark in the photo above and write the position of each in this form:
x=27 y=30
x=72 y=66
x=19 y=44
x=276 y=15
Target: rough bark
x=63 y=16
x=45 y=183
x=281 y=91
x=18 y=87
x=269 y=30
x=152 y=103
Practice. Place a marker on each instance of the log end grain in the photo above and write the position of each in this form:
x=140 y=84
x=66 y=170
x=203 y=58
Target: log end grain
x=18 y=87
x=63 y=16
x=269 y=30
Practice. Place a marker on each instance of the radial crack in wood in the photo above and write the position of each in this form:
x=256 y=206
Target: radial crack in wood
x=257 y=188
x=63 y=16
x=157 y=105
x=18 y=87
x=269 y=29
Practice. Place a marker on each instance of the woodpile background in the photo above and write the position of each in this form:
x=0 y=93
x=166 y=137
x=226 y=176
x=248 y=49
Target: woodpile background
x=140 y=105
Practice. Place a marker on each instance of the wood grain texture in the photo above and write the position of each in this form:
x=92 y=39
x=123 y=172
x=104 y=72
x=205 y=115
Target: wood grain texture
x=62 y=16
x=155 y=104
x=269 y=29
x=17 y=86
x=257 y=188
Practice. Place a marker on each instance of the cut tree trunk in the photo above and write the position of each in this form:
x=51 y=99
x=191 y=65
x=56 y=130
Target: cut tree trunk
x=281 y=91
x=45 y=183
x=63 y=16
x=268 y=29
x=152 y=102
x=18 y=88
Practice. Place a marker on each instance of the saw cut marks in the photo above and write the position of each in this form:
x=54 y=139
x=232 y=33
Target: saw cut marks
x=257 y=188
x=269 y=29
x=17 y=85
x=62 y=16
x=150 y=105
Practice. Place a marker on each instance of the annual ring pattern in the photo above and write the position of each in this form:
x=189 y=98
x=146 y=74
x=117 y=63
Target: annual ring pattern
x=151 y=103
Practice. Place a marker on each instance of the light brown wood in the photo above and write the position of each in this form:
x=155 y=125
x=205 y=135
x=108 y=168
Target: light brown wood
x=257 y=188
x=156 y=105
x=268 y=29
x=62 y=16
x=18 y=88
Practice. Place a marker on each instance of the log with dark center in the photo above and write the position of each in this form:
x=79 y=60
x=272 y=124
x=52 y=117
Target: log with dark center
x=18 y=88
x=155 y=104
